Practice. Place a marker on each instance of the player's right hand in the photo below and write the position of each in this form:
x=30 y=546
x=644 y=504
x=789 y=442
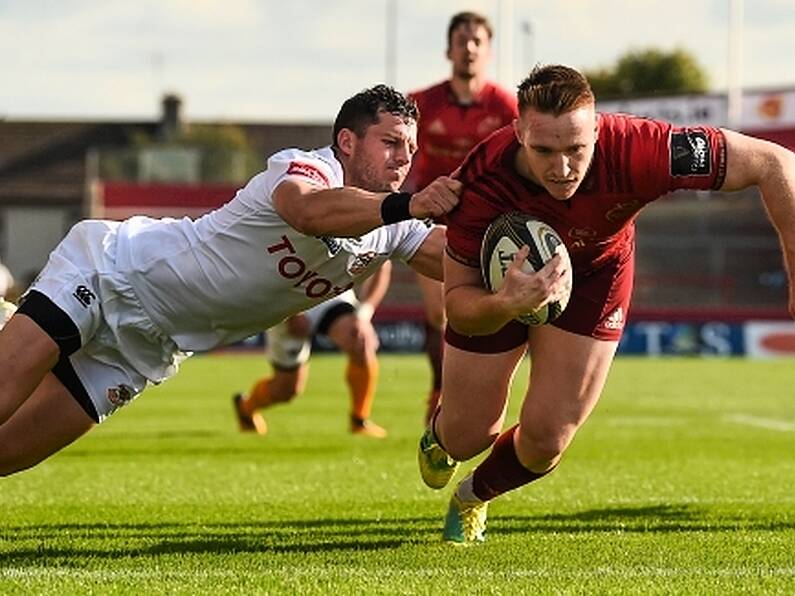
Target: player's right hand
x=436 y=199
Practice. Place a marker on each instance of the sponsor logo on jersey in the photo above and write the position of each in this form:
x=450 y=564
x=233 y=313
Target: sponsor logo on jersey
x=580 y=237
x=615 y=319
x=358 y=263
x=120 y=395
x=334 y=245
x=622 y=211
x=582 y=233
x=292 y=267
x=84 y=296
x=307 y=170
x=690 y=154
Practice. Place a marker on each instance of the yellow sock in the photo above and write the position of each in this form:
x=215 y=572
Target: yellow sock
x=362 y=379
x=258 y=397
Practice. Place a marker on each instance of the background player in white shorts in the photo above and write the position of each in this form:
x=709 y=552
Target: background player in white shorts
x=119 y=304
x=346 y=322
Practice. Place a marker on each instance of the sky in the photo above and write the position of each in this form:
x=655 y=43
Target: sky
x=297 y=60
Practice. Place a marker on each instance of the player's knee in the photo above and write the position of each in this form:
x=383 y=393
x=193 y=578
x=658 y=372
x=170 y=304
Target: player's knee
x=285 y=390
x=541 y=446
x=360 y=355
x=285 y=395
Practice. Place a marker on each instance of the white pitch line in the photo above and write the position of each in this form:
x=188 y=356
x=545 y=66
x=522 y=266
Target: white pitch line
x=335 y=572
x=768 y=423
x=325 y=572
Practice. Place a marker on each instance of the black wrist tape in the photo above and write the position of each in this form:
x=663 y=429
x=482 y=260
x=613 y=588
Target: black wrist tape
x=395 y=207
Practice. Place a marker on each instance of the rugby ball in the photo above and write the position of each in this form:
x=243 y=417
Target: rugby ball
x=503 y=238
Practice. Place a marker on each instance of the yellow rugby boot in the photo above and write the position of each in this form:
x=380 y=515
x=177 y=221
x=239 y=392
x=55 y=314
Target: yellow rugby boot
x=436 y=466
x=465 y=522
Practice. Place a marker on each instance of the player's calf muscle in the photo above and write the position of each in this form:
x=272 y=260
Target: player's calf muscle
x=465 y=442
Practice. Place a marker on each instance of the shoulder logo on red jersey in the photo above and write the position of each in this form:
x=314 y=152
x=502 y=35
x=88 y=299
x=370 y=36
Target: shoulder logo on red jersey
x=691 y=154
x=306 y=170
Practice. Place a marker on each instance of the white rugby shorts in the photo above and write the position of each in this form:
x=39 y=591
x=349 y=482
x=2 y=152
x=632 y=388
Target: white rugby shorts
x=122 y=350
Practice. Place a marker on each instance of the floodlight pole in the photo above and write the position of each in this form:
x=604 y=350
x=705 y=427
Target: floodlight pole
x=390 y=71
x=527 y=36
x=505 y=72
x=735 y=85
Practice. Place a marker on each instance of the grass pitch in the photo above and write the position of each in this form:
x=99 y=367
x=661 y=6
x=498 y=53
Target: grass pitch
x=683 y=481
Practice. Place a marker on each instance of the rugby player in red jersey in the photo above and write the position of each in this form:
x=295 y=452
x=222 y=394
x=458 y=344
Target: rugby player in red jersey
x=587 y=175
x=455 y=115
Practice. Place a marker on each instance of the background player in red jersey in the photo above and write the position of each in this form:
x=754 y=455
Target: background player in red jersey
x=550 y=165
x=454 y=116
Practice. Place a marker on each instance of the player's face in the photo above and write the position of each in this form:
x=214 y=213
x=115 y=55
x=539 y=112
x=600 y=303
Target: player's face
x=380 y=160
x=469 y=51
x=556 y=150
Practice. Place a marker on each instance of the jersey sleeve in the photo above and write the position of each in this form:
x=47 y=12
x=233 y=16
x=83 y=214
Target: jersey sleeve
x=665 y=158
x=467 y=223
x=301 y=165
x=406 y=237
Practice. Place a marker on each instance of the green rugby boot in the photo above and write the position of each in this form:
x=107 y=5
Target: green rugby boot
x=465 y=523
x=436 y=467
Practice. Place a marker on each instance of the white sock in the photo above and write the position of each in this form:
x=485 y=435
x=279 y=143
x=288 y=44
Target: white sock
x=465 y=491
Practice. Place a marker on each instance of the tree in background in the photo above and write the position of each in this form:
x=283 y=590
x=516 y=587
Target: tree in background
x=195 y=153
x=226 y=153
x=644 y=73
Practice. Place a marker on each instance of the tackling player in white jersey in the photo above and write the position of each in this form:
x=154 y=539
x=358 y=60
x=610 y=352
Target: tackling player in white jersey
x=118 y=305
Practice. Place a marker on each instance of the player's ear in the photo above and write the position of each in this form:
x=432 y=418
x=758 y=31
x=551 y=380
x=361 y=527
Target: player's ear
x=346 y=140
x=517 y=130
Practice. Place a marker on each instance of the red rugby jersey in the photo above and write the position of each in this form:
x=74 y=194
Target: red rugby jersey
x=636 y=161
x=448 y=130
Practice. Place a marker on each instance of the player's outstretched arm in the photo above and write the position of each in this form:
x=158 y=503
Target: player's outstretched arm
x=754 y=162
x=351 y=211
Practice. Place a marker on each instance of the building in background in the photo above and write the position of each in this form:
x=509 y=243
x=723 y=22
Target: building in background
x=48 y=170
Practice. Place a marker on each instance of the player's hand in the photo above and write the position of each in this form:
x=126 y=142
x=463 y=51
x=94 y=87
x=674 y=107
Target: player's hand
x=527 y=291
x=436 y=199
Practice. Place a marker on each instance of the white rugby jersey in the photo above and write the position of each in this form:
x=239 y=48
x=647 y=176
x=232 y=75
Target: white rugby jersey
x=241 y=269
